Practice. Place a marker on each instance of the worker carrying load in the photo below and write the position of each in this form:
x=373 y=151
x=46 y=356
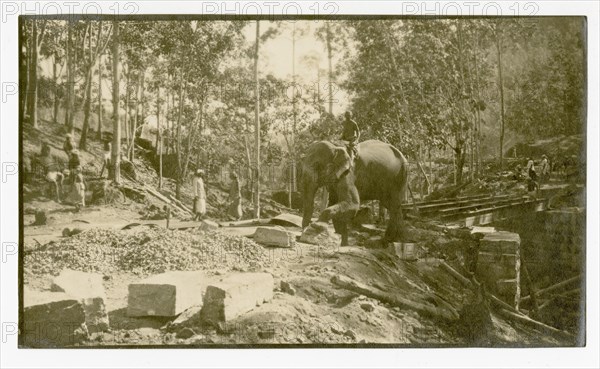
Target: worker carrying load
x=350 y=135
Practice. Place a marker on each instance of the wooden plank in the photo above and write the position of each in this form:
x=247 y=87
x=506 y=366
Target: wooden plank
x=461 y=198
x=554 y=287
x=423 y=206
x=479 y=205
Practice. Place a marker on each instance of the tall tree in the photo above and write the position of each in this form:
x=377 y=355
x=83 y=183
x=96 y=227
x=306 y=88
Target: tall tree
x=93 y=54
x=116 y=144
x=498 y=43
x=257 y=122
x=37 y=37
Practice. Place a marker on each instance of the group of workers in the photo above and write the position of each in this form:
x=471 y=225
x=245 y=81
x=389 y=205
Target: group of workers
x=533 y=178
x=71 y=176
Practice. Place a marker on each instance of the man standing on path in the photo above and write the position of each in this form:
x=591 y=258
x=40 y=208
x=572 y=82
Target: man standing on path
x=199 y=195
x=235 y=198
x=545 y=169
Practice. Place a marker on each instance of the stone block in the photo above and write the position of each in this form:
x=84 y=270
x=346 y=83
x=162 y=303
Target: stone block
x=167 y=294
x=209 y=225
x=321 y=234
x=234 y=295
x=89 y=290
x=274 y=236
x=500 y=242
x=52 y=320
x=79 y=284
x=507 y=260
x=189 y=318
x=494 y=271
x=479 y=232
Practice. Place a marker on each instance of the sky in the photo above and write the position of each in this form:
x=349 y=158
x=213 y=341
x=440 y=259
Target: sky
x=276 y=54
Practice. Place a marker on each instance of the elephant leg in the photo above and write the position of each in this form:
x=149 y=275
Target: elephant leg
x=395 y=228
x=308 y=205
x=344 y=233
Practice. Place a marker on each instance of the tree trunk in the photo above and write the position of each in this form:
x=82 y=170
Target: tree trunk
x=158 y=138
x=180 y=178
x=249 y=174
x=329 y=57
x=56 y=84
x=501 y=86
x=87 y=105
x=292 y=150
x=100 y=108
x=33 y=66
x=68 y=65
x=257 y=123
x=171 y=122
x=27 y=78
x=23 y=69
x=472 y=155
x=116 y=146
x=459 y=163
x=71 y=78
x=127 y=128
x=131 y=147
x=87 y=109
x=142 y=100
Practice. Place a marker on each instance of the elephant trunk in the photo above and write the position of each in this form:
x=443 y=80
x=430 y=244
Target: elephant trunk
x=309 y=190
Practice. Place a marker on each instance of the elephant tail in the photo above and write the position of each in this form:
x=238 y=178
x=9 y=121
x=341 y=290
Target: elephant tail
x=403 y=181
x=402 y=176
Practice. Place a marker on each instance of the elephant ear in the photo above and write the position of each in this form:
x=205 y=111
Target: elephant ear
x=341 y=162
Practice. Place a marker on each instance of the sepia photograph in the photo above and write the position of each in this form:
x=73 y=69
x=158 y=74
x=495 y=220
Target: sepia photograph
x=358 y=181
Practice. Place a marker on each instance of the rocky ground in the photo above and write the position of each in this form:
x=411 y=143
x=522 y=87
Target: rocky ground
x=308 y=306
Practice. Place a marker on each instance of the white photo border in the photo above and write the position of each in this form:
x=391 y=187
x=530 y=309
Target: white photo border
x=12 y=357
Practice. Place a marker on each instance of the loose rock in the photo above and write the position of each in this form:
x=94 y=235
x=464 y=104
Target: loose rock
x=186 y=333
x=367 y=306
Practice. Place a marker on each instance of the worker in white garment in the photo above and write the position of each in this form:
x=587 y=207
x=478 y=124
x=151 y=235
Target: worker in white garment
x=199 y=195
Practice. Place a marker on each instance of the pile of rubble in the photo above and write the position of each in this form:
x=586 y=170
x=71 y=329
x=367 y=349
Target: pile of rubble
x=146 y=251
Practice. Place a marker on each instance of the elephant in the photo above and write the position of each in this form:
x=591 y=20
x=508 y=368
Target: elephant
x=380 y=172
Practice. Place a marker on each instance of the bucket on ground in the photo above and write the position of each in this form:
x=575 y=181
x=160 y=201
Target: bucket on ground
x=404 y=250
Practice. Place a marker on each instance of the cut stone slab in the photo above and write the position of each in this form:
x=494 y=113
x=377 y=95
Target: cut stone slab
x=508 y=260
x=492 y=272
x=287 y=219
x=500 y=242
x=319 y=233
x=189 y=318
x=209 y=225
x=79 y=284
x=234 y=295
x=89 y=290
x=274 y=236
x=52 y=319
x=167 y=294
x=483 y=230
